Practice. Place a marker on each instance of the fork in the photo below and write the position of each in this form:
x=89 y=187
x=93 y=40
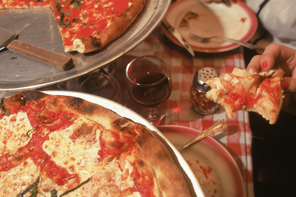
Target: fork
x=205 y=40
x=217 y=126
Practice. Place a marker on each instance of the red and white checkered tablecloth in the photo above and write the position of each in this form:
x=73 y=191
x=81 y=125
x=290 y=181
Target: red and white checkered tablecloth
x=237 y=136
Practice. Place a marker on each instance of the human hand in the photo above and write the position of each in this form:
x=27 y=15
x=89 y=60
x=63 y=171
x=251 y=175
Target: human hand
x=275 y=56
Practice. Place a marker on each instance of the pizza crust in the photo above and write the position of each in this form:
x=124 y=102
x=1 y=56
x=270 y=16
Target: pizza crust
x=170 y=181
x=116 y=28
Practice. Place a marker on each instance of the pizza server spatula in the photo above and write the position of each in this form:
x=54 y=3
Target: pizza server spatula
x=58 y=60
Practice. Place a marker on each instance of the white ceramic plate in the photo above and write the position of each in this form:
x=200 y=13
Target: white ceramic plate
x=211 y=163
x=215 y=19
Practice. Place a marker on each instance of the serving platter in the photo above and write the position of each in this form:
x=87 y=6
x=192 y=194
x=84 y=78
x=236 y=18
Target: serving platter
x=38 y=27
x=214 y=167
x=237 y=21
x=193 y=184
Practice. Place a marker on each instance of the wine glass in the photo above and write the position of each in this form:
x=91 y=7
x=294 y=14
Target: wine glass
x=149 y=84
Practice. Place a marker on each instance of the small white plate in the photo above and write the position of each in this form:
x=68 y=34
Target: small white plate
x=237 y=21
x=213 y=166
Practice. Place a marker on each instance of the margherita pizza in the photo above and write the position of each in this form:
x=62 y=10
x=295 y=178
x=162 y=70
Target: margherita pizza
x=86 y=25
x=66 y=146
x=240 y=90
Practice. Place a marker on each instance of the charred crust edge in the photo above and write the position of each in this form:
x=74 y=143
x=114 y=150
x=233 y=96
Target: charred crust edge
x=32 y=95
x=76 y=103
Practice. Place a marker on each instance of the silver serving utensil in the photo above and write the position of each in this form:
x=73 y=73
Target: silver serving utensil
x=58 y=60
x=218 y=125
x=178 y=36
x=205 y=40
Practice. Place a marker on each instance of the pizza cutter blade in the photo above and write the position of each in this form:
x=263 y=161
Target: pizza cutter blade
x=57 y=60
x=6 y=37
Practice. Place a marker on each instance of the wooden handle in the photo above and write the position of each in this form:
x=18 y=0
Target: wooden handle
x=57 y=60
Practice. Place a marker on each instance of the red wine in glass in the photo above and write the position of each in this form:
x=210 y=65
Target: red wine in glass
x=155 y=89
x=149 y=84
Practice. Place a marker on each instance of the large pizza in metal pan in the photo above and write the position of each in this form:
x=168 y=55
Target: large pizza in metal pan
x=54 y=145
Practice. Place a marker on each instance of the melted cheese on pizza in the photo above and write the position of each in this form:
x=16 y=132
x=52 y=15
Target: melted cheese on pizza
x=16 y=180
x=77 y=155
x=13 y=130
x=232 y=80
x=110 y=181
x=135 y=194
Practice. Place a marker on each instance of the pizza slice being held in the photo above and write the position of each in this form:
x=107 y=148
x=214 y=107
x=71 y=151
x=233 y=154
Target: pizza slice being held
x=240 y=90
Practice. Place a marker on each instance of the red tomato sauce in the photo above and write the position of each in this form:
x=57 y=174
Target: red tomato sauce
x=38 y=135
x=58 y=174
x=266 y=86
x=143 y=183
x=109 y=149
x=7 y=161
x=237 y=101
x=88 y=19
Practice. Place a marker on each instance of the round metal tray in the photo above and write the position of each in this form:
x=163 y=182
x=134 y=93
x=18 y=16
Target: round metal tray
x=38 y=27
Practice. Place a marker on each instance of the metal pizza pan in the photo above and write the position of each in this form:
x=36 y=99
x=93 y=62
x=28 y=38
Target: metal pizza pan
x=192 y=182
x=38 y=27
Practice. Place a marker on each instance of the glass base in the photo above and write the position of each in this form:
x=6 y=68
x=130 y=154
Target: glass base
x=156 y=116
x=73 y=84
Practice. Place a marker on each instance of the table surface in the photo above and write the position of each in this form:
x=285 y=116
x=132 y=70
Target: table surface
x=236 y=138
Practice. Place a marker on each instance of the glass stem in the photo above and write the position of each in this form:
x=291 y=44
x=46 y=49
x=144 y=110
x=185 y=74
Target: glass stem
x=153 y=113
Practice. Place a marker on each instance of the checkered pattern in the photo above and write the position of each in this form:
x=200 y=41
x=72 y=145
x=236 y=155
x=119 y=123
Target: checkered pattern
x=237 y=137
